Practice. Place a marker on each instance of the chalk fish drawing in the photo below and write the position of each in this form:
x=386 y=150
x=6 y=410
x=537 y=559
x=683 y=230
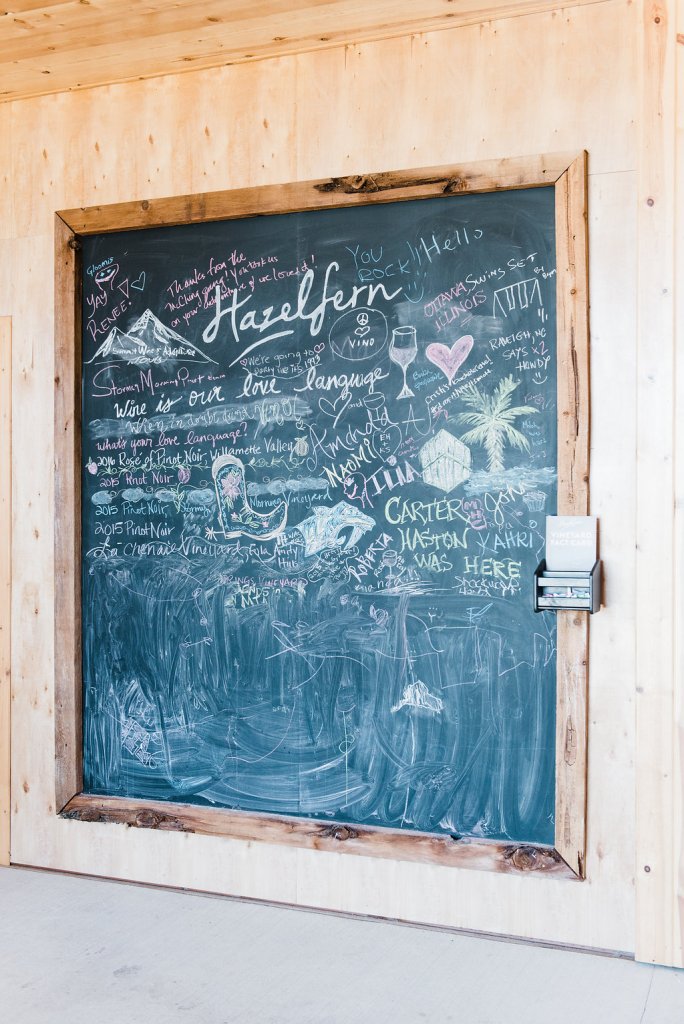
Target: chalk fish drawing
x=417 y=695
x=322 y=529
x=238 y=518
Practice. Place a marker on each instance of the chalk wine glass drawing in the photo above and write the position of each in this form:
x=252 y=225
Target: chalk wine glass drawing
x=403 y=349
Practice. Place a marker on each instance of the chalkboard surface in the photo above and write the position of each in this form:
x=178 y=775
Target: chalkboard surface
x=318 y=450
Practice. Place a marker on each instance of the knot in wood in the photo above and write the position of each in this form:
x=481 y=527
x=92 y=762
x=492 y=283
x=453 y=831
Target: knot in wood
x=334 y=185
x=530 y=858
x=456 y=185
x=147 y=819
x=86 y=814
x=341 y=832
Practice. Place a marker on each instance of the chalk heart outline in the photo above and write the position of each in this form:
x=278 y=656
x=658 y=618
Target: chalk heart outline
x=139 y=282
x=335 y=408
x=448 y=360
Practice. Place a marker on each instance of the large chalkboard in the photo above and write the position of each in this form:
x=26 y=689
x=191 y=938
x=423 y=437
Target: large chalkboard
x=317 y=450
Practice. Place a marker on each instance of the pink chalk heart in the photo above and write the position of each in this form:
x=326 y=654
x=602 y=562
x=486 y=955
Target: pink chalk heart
x=448 y=360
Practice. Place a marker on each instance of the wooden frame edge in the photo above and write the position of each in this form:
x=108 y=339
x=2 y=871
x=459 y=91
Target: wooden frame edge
x=312 y=834
x=573 y=499
x=5 y=589
x=568 y=173
x=296 y=197
x=68 y=697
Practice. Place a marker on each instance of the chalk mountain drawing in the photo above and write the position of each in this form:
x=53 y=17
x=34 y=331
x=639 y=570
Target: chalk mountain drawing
x=322 y=529
x=148 y=342
x=417 y=695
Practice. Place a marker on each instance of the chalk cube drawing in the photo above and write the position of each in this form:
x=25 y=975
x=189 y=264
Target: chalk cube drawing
x=445 y=461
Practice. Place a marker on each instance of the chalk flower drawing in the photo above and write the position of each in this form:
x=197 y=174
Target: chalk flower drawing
x=230 y=485
x=492 y=418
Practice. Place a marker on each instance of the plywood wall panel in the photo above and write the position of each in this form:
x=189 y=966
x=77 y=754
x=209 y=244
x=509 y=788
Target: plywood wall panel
x=679 y=486
x=612 y=230
x=5 y=171
x=475 y=94
x=524 y=85
x=660 y=693
x=5 y=585
x=6 y=253
x=83 y=44
x=32 y=591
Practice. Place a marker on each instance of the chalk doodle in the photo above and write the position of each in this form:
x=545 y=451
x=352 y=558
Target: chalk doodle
x=317 y=450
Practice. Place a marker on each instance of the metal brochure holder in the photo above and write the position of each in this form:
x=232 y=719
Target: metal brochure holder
x=567 y=589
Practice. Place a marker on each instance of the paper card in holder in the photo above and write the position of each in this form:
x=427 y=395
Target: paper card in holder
x=570 y=576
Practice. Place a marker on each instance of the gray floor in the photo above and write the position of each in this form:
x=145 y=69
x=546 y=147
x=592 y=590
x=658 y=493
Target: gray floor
x=82 y=951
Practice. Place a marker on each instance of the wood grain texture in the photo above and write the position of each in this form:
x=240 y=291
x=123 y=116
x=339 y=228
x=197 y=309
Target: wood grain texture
x=505 y=858
x=68 y=717
x=5 y=585
x=330 y=113
x=678 y=559
x=573 y=499
x=659 y=788
x=326 y=193
x=55 y=46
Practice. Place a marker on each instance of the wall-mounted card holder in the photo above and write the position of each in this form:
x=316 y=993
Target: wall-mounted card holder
x=567 y=589
x=569 y=577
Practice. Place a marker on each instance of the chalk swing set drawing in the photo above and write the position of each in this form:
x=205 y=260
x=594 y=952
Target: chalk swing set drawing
x=307 y=438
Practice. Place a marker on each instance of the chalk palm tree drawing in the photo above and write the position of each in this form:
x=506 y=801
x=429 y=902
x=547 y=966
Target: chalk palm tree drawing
x=492 y=418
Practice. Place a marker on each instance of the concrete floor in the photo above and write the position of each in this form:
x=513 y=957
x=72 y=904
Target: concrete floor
x=83 y=951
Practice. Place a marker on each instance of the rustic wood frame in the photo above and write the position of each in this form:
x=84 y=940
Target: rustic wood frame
x=568 y=174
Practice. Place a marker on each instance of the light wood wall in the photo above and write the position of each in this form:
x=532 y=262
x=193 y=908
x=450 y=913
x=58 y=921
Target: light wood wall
x=563 y=81
x=5 y=582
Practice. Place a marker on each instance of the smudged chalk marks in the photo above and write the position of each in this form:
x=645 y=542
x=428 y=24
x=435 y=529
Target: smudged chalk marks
x=305 y=585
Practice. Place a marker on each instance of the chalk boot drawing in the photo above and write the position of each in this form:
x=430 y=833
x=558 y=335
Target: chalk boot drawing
x=238 y=518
